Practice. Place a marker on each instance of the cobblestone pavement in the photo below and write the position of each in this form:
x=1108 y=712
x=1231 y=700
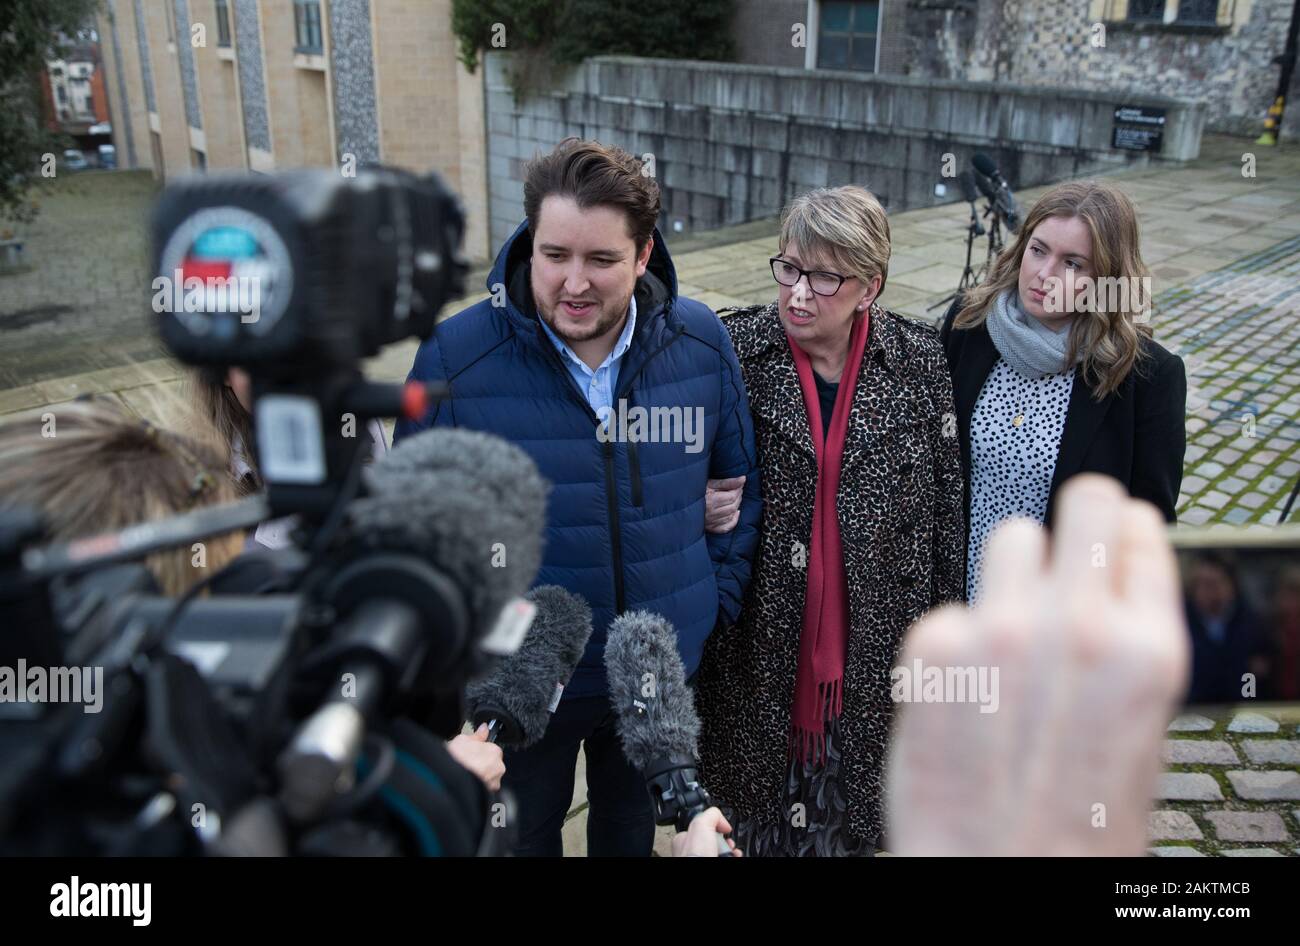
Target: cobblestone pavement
x=1231 y=788
x=1238 y=332
x=1224 y=251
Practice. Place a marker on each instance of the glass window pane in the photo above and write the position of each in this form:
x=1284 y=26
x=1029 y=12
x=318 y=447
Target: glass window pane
x=837 y=16
x=864 y=53
x=1198 y=11
x=833 y=52
x=865 y=17
x=1146 y=10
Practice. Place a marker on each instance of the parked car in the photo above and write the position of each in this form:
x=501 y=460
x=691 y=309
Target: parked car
x=107 y=157
x=74 y=160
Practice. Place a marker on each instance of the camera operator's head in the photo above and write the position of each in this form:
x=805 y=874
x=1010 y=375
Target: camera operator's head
x=92 y=467
x=223 y=397
x=591 y=213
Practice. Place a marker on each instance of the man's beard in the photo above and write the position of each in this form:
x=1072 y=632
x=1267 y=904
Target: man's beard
x=606 y=319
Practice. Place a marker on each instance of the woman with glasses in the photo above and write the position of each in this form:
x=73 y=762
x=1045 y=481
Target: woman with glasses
x=862 y=533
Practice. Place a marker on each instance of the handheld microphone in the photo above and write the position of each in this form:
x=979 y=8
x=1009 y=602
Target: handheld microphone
x=517 y=698
x=657 y=723
x=449 y=534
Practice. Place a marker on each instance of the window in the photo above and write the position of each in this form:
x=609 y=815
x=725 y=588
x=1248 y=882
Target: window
x=223 y=22
x=63 y=95
x=847 y=37
x=1146 y=11
x=1198 y=12
x=306 y=22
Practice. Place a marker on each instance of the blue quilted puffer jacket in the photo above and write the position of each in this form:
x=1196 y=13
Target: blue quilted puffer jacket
x=625 y=519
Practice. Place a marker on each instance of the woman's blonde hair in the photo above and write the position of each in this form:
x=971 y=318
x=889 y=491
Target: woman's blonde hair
x=846 y=225
x=91 y=467
x=1108 y=339
x=226 y=420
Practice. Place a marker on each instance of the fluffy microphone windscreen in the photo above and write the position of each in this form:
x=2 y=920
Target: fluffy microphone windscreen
x=471 y=504
x=522 y=686
x=647 y=687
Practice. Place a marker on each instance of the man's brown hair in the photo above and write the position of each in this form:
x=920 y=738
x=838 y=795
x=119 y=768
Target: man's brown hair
x=593 y=175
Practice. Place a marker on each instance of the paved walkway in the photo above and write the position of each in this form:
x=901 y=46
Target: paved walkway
x=1232 y=787
x=1224 y=251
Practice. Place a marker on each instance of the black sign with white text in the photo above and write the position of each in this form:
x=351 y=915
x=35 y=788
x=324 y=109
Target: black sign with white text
x=1138 y=128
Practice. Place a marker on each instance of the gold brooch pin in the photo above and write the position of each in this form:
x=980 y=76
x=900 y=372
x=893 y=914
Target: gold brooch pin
x=1018 y=420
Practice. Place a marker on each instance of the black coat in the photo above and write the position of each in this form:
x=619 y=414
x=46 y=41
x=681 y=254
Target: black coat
x=1136 y=434
x=1217 y=666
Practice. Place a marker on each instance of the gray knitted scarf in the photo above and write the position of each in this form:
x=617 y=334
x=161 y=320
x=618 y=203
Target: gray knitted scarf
x=1031 y=348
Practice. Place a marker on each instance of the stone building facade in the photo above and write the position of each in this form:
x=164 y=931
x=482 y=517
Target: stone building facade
x=266 y=85
x=1216 y=51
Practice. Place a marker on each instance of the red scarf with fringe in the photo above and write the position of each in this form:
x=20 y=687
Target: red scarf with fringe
x=824 y=636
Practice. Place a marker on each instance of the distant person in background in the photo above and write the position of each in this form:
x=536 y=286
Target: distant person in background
x=1224 y=629
x=105 y=469
x=1284 y=639
x=223 y=397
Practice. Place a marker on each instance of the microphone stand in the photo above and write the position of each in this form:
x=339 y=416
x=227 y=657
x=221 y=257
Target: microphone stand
x=995 y=241
x=968 y=278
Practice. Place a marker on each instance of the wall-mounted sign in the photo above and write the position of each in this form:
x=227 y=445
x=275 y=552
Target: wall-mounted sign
x=1138 y=128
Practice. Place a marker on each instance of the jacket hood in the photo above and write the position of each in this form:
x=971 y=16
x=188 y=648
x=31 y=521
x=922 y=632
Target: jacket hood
x=655 y=291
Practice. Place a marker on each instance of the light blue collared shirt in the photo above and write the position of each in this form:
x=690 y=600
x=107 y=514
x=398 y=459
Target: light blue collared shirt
x=597 y=386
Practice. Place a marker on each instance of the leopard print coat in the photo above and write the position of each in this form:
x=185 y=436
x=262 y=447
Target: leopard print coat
x=901 y=516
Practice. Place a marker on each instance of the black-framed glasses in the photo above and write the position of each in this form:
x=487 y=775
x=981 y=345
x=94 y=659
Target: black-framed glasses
x=819 y=281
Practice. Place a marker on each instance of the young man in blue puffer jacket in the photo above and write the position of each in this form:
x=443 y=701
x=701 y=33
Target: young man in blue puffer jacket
x=629 y=399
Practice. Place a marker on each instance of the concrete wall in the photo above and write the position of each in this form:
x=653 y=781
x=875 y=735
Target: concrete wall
x=732 y=143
